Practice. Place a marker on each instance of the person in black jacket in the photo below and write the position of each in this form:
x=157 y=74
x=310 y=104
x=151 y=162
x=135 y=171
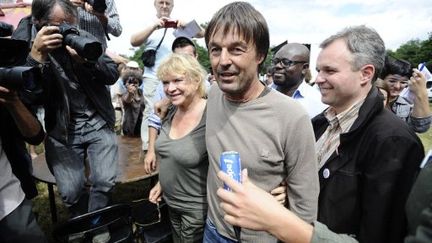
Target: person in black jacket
x=79 y=117
x=18 y=125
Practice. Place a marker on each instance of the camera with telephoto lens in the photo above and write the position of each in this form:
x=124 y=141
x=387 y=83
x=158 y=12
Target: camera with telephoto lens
x=5 y=29
x=98 y=5
x=87 y=48
x=12 y=76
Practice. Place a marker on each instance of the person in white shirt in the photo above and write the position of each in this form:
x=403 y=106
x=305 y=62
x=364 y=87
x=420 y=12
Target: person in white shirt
x=290 y=65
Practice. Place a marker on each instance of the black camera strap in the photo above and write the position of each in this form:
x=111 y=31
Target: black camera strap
x=160 y=42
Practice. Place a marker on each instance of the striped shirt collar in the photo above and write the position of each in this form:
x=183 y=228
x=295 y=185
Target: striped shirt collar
x=344 y=119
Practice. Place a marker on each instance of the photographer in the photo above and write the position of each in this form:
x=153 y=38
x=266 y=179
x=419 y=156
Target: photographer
x=99 y=18
x=79 y=117
x=133 y=104
x=18 y=125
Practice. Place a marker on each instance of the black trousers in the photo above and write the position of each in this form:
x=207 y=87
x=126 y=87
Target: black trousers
x=20 y=226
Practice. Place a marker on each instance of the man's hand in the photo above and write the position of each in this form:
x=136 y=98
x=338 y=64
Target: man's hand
x=150 y=161
x=47 y=39
x=75 y=55
x=8 y=97
x=131 y=88
x=247 y=205
x=417 y=83
x=279 y=193
x=155 y=195
x=250 y=207
x=78 y=3
x=161 y=107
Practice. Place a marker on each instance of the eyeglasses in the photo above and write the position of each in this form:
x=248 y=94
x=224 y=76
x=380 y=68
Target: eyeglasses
x=286 y=62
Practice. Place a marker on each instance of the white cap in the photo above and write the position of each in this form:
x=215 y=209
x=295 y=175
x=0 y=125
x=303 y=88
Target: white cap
x=132 y=64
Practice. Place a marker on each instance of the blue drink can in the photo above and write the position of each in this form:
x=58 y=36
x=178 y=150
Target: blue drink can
x=230 y=163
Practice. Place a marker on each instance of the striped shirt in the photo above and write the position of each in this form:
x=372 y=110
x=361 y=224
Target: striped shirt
x=340 y=123
x=91 y=23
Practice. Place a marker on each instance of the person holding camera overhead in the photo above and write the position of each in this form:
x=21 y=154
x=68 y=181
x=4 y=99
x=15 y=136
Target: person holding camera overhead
x=99 y=18
x=157 y=37
x=79 y=116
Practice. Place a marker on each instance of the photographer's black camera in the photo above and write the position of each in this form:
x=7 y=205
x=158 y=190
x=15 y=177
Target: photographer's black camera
x=98 y=5
x=12 y=76
x=87 y=48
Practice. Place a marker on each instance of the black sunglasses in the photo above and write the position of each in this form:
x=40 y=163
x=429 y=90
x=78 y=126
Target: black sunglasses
x=286 y=62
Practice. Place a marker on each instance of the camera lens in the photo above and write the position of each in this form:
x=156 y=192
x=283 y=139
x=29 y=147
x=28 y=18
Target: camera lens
x=87 y=48
x=19 y=77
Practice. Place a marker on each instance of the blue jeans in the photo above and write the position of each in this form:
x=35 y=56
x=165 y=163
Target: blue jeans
x=67 y=162
x=212 y=236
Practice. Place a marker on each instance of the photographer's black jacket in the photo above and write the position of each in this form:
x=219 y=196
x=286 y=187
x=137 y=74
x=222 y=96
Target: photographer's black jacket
x=16 y=151
x=93 y=78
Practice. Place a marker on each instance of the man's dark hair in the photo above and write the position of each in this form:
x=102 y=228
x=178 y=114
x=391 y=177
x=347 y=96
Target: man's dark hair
x=132 y=75
x=42 y=9
x=396 y=66
x=246 y=20
x=183 y=42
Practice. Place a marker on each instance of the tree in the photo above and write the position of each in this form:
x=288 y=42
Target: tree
x=137 y=56
x=415 y=51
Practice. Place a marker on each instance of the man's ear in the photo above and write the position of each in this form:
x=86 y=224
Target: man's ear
x=305 y=68
x=367 y=73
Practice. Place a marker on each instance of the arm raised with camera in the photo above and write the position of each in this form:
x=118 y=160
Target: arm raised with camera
x=140 y=37
x=47 y=39
x=105 y=11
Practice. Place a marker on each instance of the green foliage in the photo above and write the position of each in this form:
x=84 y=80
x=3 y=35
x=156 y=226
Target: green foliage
x=267 y=62
x=203 y=57
x=415 y=51
x=137 y=56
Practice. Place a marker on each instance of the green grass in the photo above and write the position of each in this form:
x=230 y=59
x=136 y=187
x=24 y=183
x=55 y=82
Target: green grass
x=426 y=139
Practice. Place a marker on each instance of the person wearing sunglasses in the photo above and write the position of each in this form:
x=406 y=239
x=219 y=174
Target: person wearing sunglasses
x=290 y=65
x=399 y=76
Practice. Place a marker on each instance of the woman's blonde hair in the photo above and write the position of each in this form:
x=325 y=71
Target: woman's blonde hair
x=185 y=65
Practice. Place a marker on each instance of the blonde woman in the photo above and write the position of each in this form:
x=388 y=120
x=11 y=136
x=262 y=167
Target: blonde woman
x=181 y=148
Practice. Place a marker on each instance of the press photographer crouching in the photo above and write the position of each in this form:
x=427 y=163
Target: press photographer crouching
x=18 y=125
x=79 y=117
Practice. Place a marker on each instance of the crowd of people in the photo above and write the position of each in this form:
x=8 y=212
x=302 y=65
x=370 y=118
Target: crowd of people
x=336 y=161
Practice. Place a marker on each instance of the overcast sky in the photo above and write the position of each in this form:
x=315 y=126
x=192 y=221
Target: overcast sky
x=305 y=21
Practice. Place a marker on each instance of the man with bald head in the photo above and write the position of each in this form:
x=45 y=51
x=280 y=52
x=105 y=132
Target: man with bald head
x=290 y=65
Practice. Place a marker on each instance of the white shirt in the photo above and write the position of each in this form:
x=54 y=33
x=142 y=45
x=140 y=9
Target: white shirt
x=11 y=193
x=310 y=98
x=163 y=51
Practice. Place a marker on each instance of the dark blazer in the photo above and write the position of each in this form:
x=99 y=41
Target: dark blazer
x=365 y=185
